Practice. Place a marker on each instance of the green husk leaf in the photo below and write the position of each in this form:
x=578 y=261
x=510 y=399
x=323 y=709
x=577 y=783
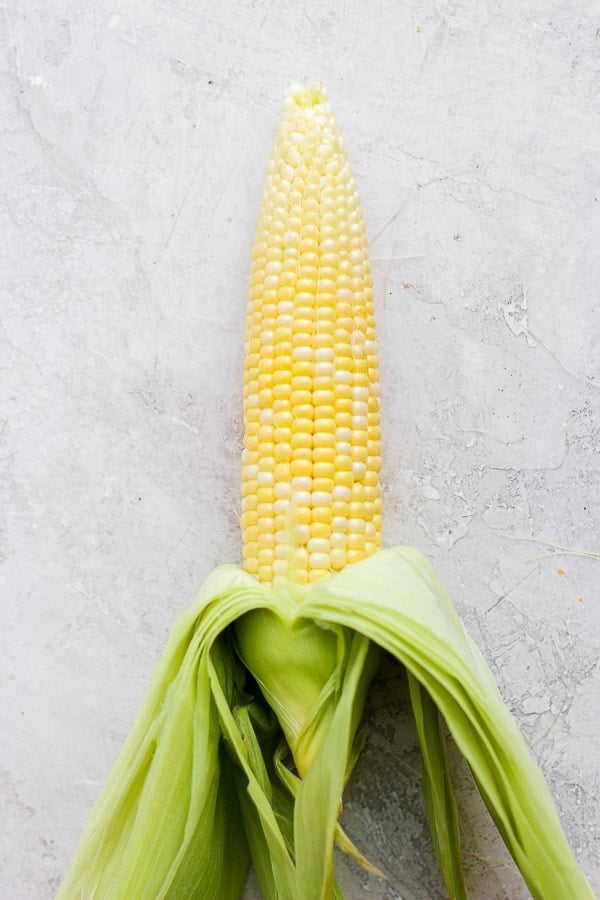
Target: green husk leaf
x=439 y=794
x=319 y=797
x=293 y=782
x=270 y=856
x=396 y=599
x=168 y=820
x=316 y=679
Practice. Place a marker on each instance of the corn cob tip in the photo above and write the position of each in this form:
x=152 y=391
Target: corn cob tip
x=306 y=95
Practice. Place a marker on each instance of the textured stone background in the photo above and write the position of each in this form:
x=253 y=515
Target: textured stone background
x=134 y=139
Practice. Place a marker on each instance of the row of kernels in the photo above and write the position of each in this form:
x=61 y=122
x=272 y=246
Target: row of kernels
x=362 y=538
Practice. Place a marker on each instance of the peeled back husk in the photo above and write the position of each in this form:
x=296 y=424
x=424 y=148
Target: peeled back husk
x=249 y=732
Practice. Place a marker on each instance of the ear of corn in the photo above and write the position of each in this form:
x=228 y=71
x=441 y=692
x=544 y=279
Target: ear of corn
x=221 y=768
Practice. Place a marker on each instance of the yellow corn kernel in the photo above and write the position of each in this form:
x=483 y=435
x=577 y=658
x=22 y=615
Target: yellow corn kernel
x=311 y=408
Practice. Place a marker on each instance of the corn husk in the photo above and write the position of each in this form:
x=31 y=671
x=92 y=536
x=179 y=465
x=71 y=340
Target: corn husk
x=213 y=776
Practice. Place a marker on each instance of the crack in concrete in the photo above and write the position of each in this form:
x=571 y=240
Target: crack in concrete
x=509 y=591
x=584 y=380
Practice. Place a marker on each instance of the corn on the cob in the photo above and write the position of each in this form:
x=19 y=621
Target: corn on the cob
x=205 y=780
x=312 y=452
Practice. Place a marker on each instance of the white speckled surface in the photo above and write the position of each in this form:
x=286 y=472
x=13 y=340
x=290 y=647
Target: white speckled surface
x=134 y=136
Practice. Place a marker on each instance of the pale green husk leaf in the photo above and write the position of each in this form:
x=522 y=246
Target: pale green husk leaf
x=397 y=600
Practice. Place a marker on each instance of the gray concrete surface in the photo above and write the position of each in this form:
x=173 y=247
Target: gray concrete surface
x=134 y=139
